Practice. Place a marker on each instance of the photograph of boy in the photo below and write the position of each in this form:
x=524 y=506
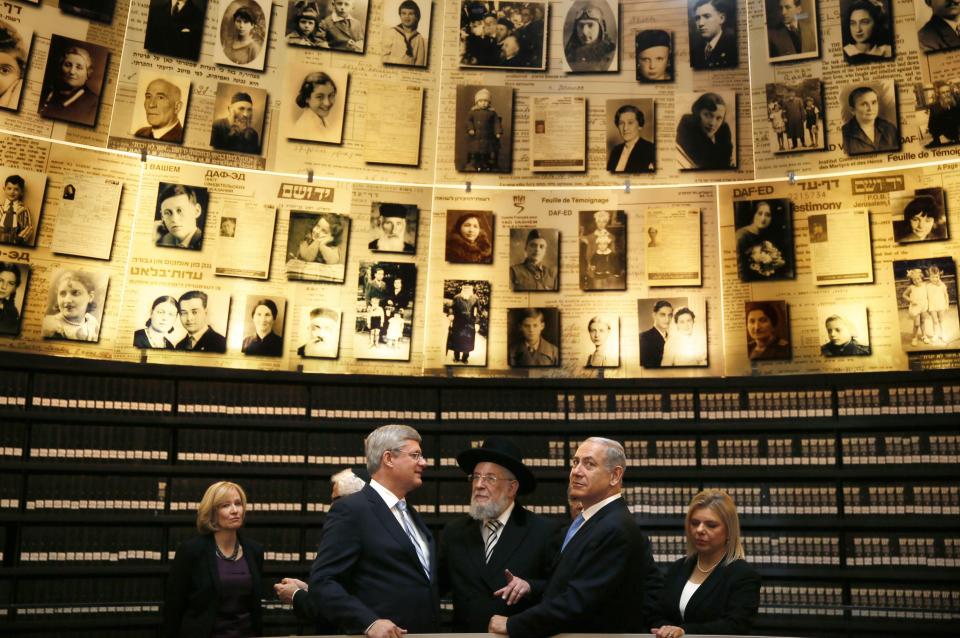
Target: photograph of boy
x=533 y=333
x=180 y=216
x=536 y=259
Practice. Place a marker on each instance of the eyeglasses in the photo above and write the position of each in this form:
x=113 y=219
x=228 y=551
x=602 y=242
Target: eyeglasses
x=416 y=456
x=489 y=479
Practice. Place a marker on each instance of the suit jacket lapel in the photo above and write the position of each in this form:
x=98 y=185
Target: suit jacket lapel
x=706 y=587
x=607 y=510
x=390 y=522
x=510 y=539
x=210 y=558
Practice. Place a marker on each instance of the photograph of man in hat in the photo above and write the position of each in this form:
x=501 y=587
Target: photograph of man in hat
x=538 y=270
x=394 y=227
x=654 y=49
x=238 y=129
x=590 y=36
x=496 y=560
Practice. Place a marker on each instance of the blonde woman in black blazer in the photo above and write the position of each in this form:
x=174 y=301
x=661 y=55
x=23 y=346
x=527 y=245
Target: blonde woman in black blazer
x=712 y=590
x=214 y=586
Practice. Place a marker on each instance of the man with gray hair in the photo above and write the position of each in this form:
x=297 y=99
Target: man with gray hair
x=375 y=572
x=605 y=580
x=162 y=103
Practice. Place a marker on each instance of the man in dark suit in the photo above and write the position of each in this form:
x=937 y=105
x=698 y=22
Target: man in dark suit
x=653 y=340
x=716 y=48
x=789 y=34
x=175 y=28
x=161 y=104
x=193 y=316
x=605 y=580
x=497 y=559
x=375 y=572
x=942 y=31
x=635 y=154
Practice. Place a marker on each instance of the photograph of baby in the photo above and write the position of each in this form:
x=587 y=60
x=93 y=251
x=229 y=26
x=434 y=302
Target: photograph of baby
x=503 y=35
x=603 y=250
x=406 y=32
x=534 y=259
x=315 y=110
x=180 y=215
x=13 y=291
x=317 y=246
x=602 y=347
x=768 y=330
x=466 y=305
x=385 y=300
x=484 y=140
x=843 y=330
x=321 y=333
x=263 y=326
x=244 y=27
x=469 y=237
x=926 y=294
x=15 y=41
x=164 y=99
x=73 y=80
x=533 y=337
x=654 y=51
x=673 y=332
x=20 y=206
x=393 y=228
x=182 y=319
x=764 y=235
x=591 y=31
x=924 y=217
x=75 y=305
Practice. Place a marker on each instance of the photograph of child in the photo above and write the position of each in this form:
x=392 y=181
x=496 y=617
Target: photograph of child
x=75 y=305
x=317 y=246
x=924 y=218
x=533 y=333
x=13 y=291
x=244 y=27
x=484 y=140
x=654 y=52
x=20 y=206
x=535 y=259
x=843 y=330
x=73 y=80
x=393 y=228
x=466 y=305
x=15 y=41
x=796 y=115
x=764 y=235
x=345 y=24
x=180 y=215
x=303 y=24
x=406 y=32
x=385 y=302
x=603 y=250
x=926 y=292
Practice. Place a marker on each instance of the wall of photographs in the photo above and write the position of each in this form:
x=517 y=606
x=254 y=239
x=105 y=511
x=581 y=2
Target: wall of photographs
x=482 y=188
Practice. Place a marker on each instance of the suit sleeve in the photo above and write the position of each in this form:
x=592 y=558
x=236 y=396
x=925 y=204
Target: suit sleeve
x=339 y=551
x=740 y=609
x=303 y=607
x=653 y=582
x=178 y=591
x=550 y=550
x=443 y=565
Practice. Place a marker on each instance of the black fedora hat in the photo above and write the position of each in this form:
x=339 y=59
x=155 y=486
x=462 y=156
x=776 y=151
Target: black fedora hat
x=502 y=451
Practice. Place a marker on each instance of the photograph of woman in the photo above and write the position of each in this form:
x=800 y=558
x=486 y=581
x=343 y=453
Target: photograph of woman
x=870 y=118
x=383 y=327
x=764 y=235
x=75 y=305
x=603 y=349
x=214 y=587
x=264 y=330
x=403 y=43
x=767 y=330
x=244 y=25
x=686 y=344
x=72 y=80
x=14 y=52
x=317 y=246
x=157 y=332
x=13 y=287
x=867 y=30
x=590 y=33
x=469 y=237
x=466 y=305
x=318 y=108
x=706 y=136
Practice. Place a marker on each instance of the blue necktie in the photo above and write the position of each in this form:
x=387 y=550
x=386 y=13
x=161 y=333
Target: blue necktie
x=408 y=528
x=577 y=522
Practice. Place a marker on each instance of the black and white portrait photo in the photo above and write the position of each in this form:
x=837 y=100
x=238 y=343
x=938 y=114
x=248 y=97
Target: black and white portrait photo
x=603 y=250
x=164 y=99
x=630 y=136
x=303 y=23
x=182 y=319
x=239 y=112
x=768 y=330
x=938 y=112
x=534 y=259
x=843 y=330
x=707 y=131
x=320 y=333
x=591 y=31
x=503 y=35
x=386 y=293
x=469 y=237
x=713 y=34
x=317 y=246
x=466 y=305
x=796 y=116
x=791 y=29
x=924 y=218
x=673 y=332
x=13 y=291
x=180 y=216
x=345 y=25
x=406 y=32
x=393 y=228
x=15 y=41
x=73 y=80
x=263 y=326
x=602 y=347
x=75 y=302
x=20 y=206
x=654 y=52
x=926 y=295
x=175 y=28
x=99 y=10
x=869 y=113
x=244 y=26
x=533 y=338
x=484 y=142
x=867 y=28
x=937 y=21
x=764 y=234
x=317 y=100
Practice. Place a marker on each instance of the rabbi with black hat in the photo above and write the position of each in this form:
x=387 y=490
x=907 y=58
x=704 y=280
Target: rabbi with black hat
x=393 y=227
x=497 y=559
x=235 y=131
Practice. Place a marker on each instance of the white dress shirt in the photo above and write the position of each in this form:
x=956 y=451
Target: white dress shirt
x=391 y=500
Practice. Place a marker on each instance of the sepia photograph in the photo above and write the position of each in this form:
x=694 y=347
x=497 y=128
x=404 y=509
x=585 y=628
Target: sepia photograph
x=75 y=305
x=99 y=10
x=469 y=237
x=384 y=320
x=317 y=246
x=631 y=135
x=406 y=32
x=466 y=305
x=764 y=234
x=938 y=112
x=175 y=29
x=707 y=131
x=673 y=332
x=869 y=113
x=164 y=99
x=20 y=206
x=534 y=259
x=15 y=42
x=792 y=32
x=796 y=116
x=303 y=24
x=926 y=291
x=13 y=291
x=654 y=52
x=180 y=216
x=924 y=217
x=244 y=28
x=393 y=228
x=603 y=342
x=867 y=28
x=239 y=111
x=484 y=138
x=712 y=25
x=768 y=330
x=533 y=338
x=182 y=319
x=937 y=25
x=316 y=106
x=603 y=250
x=321 y=331
x=73 y=80
x=263 y=326
x=503 y=35
x=591 y=32
x=343 y=25
x=843 y=330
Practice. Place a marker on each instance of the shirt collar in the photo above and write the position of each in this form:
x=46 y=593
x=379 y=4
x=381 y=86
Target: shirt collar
x=157 y=133
x=505 y=516
x=197 y=337
x=336 y=18
x=388 y=497
x=596 y=507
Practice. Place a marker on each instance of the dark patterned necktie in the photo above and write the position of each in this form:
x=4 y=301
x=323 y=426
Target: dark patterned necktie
x=493 y=528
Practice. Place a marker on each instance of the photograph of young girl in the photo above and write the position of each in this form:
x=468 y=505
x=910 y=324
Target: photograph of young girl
x=384 y=322
x=926 y=291
x=75 y=305
x=764 y=234
x=244 y=26
x=317 y=246
x=603 y=250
